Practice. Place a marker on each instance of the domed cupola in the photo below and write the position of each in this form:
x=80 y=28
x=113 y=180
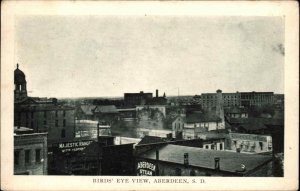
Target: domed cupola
x=19 y=76
x=20 y=84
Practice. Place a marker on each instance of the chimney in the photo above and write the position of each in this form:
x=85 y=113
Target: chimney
x=219 y=106
x=186 y=159
x=217 y=163
x=156 y=92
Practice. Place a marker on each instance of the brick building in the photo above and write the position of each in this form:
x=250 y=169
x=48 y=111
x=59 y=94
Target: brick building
x=209 y=100
x=177 y=160
x=30 y=152
x=42 y=114
x=133 y=99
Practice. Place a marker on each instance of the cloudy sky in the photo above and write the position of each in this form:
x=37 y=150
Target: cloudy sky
x=77 y=56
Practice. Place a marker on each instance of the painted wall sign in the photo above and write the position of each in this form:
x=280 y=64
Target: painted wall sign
x=73 y=146
x=145 y=168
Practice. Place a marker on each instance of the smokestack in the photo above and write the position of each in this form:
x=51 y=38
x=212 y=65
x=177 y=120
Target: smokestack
x=186 y=159
x=156 y=92
x=217 y=163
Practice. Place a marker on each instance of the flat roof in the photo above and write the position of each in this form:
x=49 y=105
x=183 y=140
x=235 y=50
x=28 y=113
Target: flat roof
x=205 y=158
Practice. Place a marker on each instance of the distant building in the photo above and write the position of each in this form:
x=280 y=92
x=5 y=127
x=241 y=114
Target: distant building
x=30 y=152
x=160 y=108
x=155 y=160
x=106 y=113
x=85 y=112
x=133 y=99
x=256 y=98
x=247 y=99
x=236 y=112
x=157 y=100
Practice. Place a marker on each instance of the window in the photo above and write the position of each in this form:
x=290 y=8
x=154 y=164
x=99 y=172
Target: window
x=56 y=113
x=63 y=133
x=56 y=123
x=221 y=146
x=16 y=157
x=64 y=122
x=45 y=122
x=212 y=147
x=27 y=156
x=32 y=115
x=45 y=114
x=261 y=145
x=64 y=113
x=38 y=155
x=206 y=146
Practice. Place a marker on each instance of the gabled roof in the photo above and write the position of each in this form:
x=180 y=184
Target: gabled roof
x=202 y=117
x=256 y=123
x=106 y=109
x=229 y=161
x=88 y=109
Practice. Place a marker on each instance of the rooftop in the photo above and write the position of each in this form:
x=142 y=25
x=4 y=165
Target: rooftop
x=229 y=161
x=106 y=109
x=202 y=117
x=151 y=139
x=87 y=109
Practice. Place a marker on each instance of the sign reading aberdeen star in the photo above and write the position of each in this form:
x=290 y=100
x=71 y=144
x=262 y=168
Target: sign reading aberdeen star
x=145 y=169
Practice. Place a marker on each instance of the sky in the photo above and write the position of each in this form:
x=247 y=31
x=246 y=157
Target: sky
x=99 y=56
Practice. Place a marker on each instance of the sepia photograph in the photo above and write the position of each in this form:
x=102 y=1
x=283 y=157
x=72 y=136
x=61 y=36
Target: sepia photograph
x=162 y=96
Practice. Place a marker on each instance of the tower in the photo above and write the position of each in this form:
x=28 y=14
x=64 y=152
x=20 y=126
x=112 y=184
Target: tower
x=20 y=91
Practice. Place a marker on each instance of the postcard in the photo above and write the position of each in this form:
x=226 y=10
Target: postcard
x=150 y=95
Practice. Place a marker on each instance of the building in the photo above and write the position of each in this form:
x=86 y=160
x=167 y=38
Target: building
x=175 y=160
x=42 y=114
x=250 y=143
x=157 y=100
x=30 y=152
x=256 y=98
x=20 y=82
x=106 y=113
x=88 y=157
x=210 y=100
x=85 y=112
x=246 y=99
x=191 y=126
x=89 y=129
x=153 y=108
x=133 y=99
x=236 y=112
